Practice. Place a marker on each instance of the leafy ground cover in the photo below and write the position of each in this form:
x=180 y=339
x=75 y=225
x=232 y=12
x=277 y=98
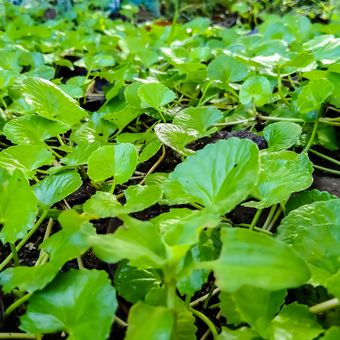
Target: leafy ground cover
x=158 y=180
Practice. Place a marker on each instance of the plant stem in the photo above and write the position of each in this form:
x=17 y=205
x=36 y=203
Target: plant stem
x=206 y=302
x=330 y=159
x=236 y=122
x=171 y=296
x=4 y=263
x=332 y=171
x=80 y=263
x=17 y=303
x=14 y=254
x=204 y=297
x=206 y=320
x=312 y=137
x=120 y=322
x=276 y=216
x=270 y=216
x=255 y=219
x=325 y=306
x=16 y=336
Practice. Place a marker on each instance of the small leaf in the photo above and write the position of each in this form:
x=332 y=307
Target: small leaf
x=254 y=259
x=18 y=206
x=54 y=188
x=176 y=137
x=303 y=229
x=149 y=150
x=221 y=175
x=313 y=95
x=61 y=305
x=281 y=135
x=80 y=154
x=118 y=160
x=282 y=173
x=333 y=285
x=137 y=241
x=155 y=95
x=150 y=322
x=199 y=119
x=51 y=102
x=255 y=90
x=32 y=129
x=295 y=322
x=27 y=158
x=227 y=70
x=133 y=284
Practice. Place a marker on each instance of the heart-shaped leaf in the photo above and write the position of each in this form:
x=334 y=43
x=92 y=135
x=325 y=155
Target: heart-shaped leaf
x=256 y=90
x=155 y=95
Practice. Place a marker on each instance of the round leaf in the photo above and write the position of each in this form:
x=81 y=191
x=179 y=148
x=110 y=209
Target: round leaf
x=155 y=95
x=255 y=90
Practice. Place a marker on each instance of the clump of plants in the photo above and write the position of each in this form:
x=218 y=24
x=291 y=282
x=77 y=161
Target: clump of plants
x=157 y=180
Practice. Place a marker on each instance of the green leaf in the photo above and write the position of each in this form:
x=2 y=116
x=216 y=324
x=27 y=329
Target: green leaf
x=227 y=70
x=54 y=188
x=313 y=95
x=255 y=306
x=176 y=137
x=299 y=199
x=199 y=119
x=295 y=322
x=32 y=129
x=258 y=260
x=138 y=197
x=282 y=173
x=133 y=284
x=256 y=90
x=27 y=158
x=123 y=117
x=243 y=333
x=332 y=333
x=62 y=304
x=281 y=135
x=221 y=175
x=150 y=322
x=155 y=95
x=18 y=206
x=118 y=160
x=80 y=154
x=131 y=95
x=51 y=102
x=333 y=285
x=137 y=241
x=149 y=150
x=303 y=229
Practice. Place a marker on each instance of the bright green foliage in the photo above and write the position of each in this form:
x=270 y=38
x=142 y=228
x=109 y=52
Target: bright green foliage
x=52 y=310
x=281 y=135
x=54 y=188
x=118 y=161
x=51 y=102
x=250 y=258
x=18 y=206
x=221 y=175
x=282 y=173
x=155 y=95
x=255 y=90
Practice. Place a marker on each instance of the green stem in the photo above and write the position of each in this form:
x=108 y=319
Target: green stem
x=325 y=306
x=330 y=159
x=276 y=216
x=206 y=302
x=270 y=216
x=332 y=171
x=236 y=122
x=17 y=304
x=204 y=297
x=312 y=136
x=171 y=296
x=14 y=254
x=16 y=336
x=255 y=219
x=80 y=263
x=42 y=255
x=4 y=263
x=206 y=320
x=120 y=322
x=113 y=186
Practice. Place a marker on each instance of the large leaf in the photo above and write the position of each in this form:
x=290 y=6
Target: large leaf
x=54 y=188
x=313 y=95
x=137 y=241
x=75 y=302
x=258 y=260
x=199 y=119
x=155 y=95
x=150 y=322
x=18 y=206
x=119 y=161
x=27 y=158
x=303 y=229
x=51 y=102
x=281 y=135
x=32 y=129
x=282 y=173
x=255 y=90
x=227 y=69
x=294 y=322
x=221 y=175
